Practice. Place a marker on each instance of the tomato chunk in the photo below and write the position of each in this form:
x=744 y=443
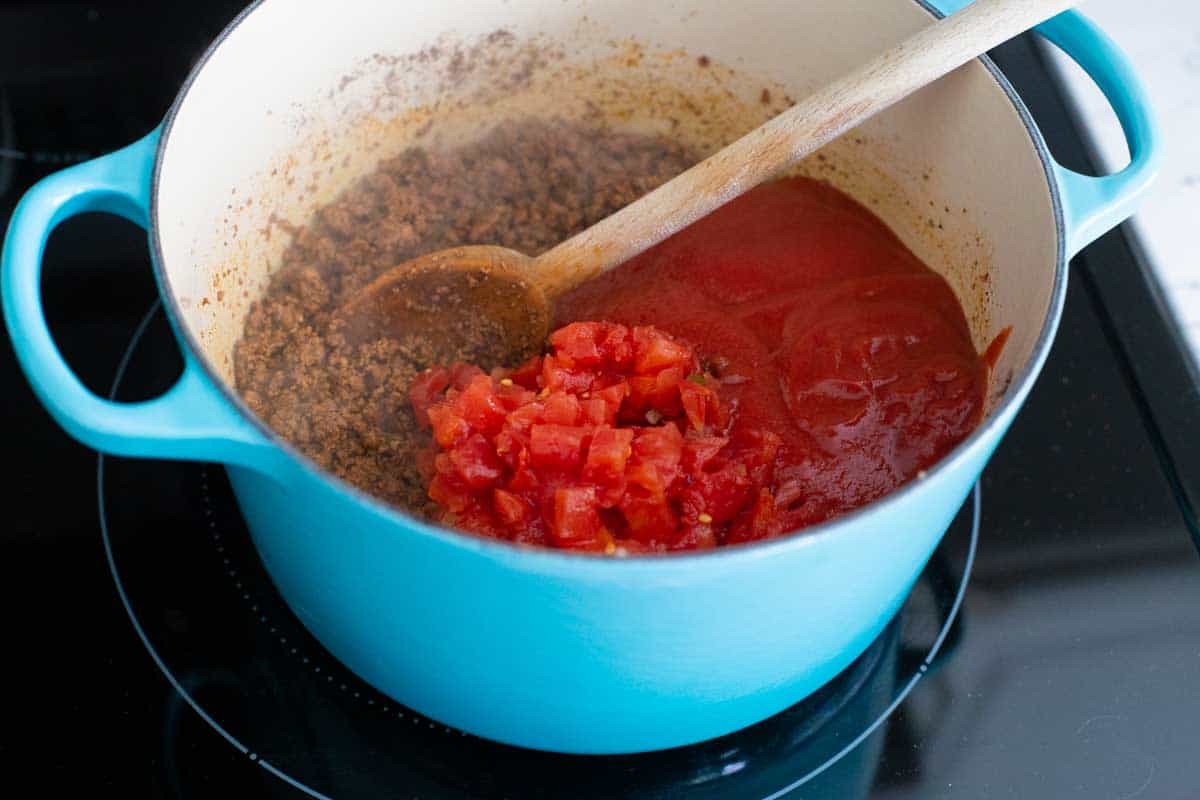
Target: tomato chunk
x=577 y=519
x=557 y=445
x=509 y=507
x=448 y=425
x=699 y=402
x=481 y=405
x=561 y=408
x=655 y=352
x=427 y=388
x=608 y=453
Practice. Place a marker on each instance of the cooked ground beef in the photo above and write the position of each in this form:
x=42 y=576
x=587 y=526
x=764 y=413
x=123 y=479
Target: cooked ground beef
x=526 y=185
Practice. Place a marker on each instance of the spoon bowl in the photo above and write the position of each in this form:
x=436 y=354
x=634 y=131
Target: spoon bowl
x=480 y=301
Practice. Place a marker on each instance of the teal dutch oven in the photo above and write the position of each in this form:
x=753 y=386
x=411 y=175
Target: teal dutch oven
x=535 y=648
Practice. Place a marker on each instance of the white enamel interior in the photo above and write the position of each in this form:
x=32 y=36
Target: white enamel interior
x=302 y=98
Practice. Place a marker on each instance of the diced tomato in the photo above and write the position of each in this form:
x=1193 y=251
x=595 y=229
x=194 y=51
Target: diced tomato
x=447 y=493
x=653 y=351
x=577 y=342
x=560 y=374
x=557 y=445
x=607 y=454
x=481 y=407
x=613 y=396
x=641 y=398
x=699 y=403
x=509 y=507
x=658 y=393
x=462 y=374
x=524 y=478
x=475 y=462
x=591 y=344
x=618 y=347
x=427 y=388
x=720 y=493
x=605 y=467
x=561 y=408
x=546 y=454
x=647 y=478
x=649 y=519
x=509 y=446
x=525 y=417
x=594 y=411
x=609 y=493
x=661 y=447
x=577 y=519
x=513 y=397
x=526 y=375
x=449 y=427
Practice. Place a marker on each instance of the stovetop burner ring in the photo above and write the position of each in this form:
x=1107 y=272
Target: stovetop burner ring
x=353 y=688
x=321 y=666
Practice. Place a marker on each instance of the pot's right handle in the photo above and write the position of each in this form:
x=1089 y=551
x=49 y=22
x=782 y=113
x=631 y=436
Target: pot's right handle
x=1092 y=206
x=192 y=420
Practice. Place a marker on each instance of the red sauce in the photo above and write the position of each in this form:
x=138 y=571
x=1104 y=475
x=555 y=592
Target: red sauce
x=840 y=367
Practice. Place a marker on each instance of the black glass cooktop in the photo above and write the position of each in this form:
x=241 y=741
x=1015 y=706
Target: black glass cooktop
x=1051 y=649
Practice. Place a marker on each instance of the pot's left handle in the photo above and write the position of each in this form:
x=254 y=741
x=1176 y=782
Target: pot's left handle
x=192 y=420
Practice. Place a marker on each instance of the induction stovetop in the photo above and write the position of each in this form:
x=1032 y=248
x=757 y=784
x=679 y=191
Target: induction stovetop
x=1051 y=649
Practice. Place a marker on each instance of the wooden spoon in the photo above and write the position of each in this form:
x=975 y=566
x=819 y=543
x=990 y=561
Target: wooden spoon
x=490 y=305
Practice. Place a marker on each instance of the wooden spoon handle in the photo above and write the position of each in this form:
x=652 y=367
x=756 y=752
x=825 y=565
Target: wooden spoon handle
x=784 y=140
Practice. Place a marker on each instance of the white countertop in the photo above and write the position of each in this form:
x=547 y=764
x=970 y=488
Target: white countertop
x=1162 y=39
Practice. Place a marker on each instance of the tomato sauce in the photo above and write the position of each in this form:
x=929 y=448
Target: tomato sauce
x=839 y=366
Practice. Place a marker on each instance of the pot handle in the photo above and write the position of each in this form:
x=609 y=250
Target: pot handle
x=191 y=420
x=1094 y=205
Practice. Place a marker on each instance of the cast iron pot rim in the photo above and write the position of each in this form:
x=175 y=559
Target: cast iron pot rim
x=531 y=557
